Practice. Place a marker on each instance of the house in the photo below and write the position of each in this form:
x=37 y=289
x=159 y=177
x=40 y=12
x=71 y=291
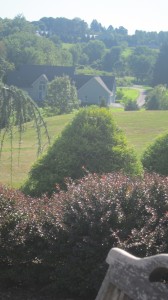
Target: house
x=95 y=90
x=34 y=79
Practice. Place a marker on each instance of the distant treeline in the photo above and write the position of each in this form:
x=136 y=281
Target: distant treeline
x=65 y=42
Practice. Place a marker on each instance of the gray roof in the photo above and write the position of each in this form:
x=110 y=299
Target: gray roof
x=27 y=74
x=80 y=80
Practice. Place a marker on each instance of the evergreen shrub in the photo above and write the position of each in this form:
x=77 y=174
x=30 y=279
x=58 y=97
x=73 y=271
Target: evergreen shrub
x=92 y=142
x=155 y=157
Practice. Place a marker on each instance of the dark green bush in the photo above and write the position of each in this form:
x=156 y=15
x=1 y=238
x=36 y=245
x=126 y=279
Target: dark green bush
x=155 y=157
x=131 y=105
x=92 y=142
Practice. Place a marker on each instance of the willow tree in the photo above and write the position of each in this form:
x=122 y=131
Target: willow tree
x=16 y=109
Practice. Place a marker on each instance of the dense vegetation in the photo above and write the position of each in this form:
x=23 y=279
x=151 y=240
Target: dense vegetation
x=61 y=97
x=155 y=156
x=93 y=142
x=61 y=41
x=59 y=244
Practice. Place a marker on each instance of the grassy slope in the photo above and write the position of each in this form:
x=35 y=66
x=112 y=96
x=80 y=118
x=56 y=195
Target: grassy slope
x=140 y=127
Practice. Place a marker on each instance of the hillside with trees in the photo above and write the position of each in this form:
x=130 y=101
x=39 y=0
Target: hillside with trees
x=64 y=42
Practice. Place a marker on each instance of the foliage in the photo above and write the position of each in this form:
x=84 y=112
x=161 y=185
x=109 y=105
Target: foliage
x=92 y=142
x=69 y=31
x=140 y=127
x=124 y=81
x=61 y=243
x=112 y=59
x=157 y=98
x=128 y=97
x=131 y=105
x=160 y=75
x=16 y=108
x=155 y=158
x=142 y=62
x=28 y=48
x=94 y=50
x=61 y=96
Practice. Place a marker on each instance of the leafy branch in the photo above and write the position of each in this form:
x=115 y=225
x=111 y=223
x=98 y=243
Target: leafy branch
x=16 y=109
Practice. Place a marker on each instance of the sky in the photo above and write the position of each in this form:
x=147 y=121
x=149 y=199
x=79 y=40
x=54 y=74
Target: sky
x=147 y=15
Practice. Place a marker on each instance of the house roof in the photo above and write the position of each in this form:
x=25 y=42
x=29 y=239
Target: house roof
x=100 y=82
x=80 y=80
x=27 y=74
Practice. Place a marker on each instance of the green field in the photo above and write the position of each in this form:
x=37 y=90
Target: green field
x=128 y=94
x=140 y=127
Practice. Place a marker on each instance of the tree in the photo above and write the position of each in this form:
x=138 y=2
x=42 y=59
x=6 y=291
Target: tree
x=61 y=96
x=155 y=158
x=94 y=50
x=112 y=59
x=140 y=66
x=160 y=75
x=157 y=98
x=142 y=62
x=96 y=27
x=93 y=142
x=27 y=48
x=17 y=108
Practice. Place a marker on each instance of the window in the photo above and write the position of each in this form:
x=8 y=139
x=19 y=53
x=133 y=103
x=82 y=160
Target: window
x=42 y=90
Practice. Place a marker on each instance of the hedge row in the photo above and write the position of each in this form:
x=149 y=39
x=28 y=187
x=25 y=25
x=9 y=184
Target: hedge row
x=60 y=243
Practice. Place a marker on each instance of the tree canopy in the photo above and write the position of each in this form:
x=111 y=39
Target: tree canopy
x=160 y=75
x=61 y=96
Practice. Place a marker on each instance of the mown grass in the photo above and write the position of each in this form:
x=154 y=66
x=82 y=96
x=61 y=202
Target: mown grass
x=128 y=94
x=140 y=127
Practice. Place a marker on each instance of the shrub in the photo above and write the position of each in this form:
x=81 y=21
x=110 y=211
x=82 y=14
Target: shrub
x=106 y=211
x=62 y=241
x=157 y=98
x=155 y=157
x=92 y=142
x=131 y=105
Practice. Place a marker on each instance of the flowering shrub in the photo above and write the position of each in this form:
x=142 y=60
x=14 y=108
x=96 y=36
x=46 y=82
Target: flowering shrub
x=61 y=242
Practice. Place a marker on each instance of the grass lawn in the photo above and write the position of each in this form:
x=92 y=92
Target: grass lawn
x=140 y=127
x=128 y=93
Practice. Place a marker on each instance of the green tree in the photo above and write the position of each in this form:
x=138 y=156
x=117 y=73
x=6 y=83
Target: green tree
x=155 y=158
x=141 y=63
x=160 y=75
x=96 y=27
x=93 y=142
x=94 y=50
x=16 y=108
x=61 y=96
x=112 y=59
x=27 y=48
x=157 y=98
